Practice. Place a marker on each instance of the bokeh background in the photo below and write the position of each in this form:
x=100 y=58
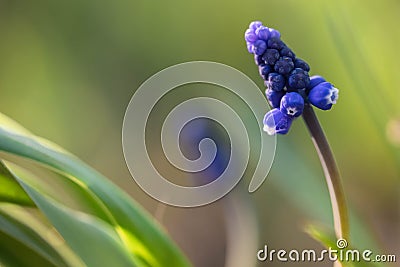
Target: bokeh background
x=69 y=68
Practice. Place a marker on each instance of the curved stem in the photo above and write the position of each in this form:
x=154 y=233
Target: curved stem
x=332 y=175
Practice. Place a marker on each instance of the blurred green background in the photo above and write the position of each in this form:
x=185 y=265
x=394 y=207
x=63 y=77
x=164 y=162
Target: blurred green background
x=69 y=68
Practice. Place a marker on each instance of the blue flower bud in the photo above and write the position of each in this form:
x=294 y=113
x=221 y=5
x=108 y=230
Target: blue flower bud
x=299 y=63
x=274 y=33
x=284 y=65
x=250 y=36
x=315 y=80
x=270 y=56
x=259 y=47
x=292 y=104
x=298 y=79
x=265 y=70
x=258 y=60
x=275 y=122
x=262 y=33
x=275 y=82
x=250 y=48
x=323 y=95
x=287 y=52
x=275 y=43
x=274 y=97
x=254 y=25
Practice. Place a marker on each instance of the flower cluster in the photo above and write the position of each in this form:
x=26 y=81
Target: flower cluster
x=286 y=77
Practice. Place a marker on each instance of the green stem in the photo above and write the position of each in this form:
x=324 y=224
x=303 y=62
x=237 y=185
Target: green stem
x=332 y=175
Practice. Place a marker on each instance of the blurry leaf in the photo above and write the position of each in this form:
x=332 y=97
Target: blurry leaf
x=75 y=196
x=28 y=231
x=10 y=189
x=105 y=249
x=16 y=254
x=125 y=213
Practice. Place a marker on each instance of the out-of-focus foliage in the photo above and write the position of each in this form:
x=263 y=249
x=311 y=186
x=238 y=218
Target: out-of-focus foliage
x=98 y=221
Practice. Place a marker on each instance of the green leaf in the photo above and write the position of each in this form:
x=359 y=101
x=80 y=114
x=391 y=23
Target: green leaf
x=11 y=191
x=14 y=253
x=133 y=225
x=95 y=241
x=59 y=189
x=32 y=236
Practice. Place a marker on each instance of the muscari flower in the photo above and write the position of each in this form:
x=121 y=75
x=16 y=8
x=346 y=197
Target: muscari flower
x=289 y=86
x=292 y=104
x=275 y=81
x=276 y=121
x=274 y=97
x=298 y=79
x=323 y=95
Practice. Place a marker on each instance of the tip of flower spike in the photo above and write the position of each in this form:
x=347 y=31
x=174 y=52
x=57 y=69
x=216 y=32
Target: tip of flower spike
x=262 y=33
x=259 y=47
x=256 y=33
x=254 y=25
x=274 y=33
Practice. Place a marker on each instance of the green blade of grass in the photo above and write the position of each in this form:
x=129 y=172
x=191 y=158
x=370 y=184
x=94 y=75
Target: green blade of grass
x=132 y=220
x=11 y=191
x=34 y=236
x=92 y=239
x=11 y=251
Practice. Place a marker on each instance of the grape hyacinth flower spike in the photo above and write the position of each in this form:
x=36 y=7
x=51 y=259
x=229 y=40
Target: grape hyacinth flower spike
x=283 y=72
x=291 y=92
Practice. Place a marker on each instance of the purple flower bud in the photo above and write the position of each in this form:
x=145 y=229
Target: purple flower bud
x=299 y=63
x=262 y=33
x=250 y=36
x=270 y=56
x=292 y=104
x=265 y=70
x=323 y=95
x=287 y=52
x=250 y=48
x=275 y=82
x=258 y=60
x=274 y=97
x=254 y=25
x=284 y=65
x=275 y=122
x=275 y=43
x=315 y=80
x=274 y=33
x=299 y=79
x=259 y=47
